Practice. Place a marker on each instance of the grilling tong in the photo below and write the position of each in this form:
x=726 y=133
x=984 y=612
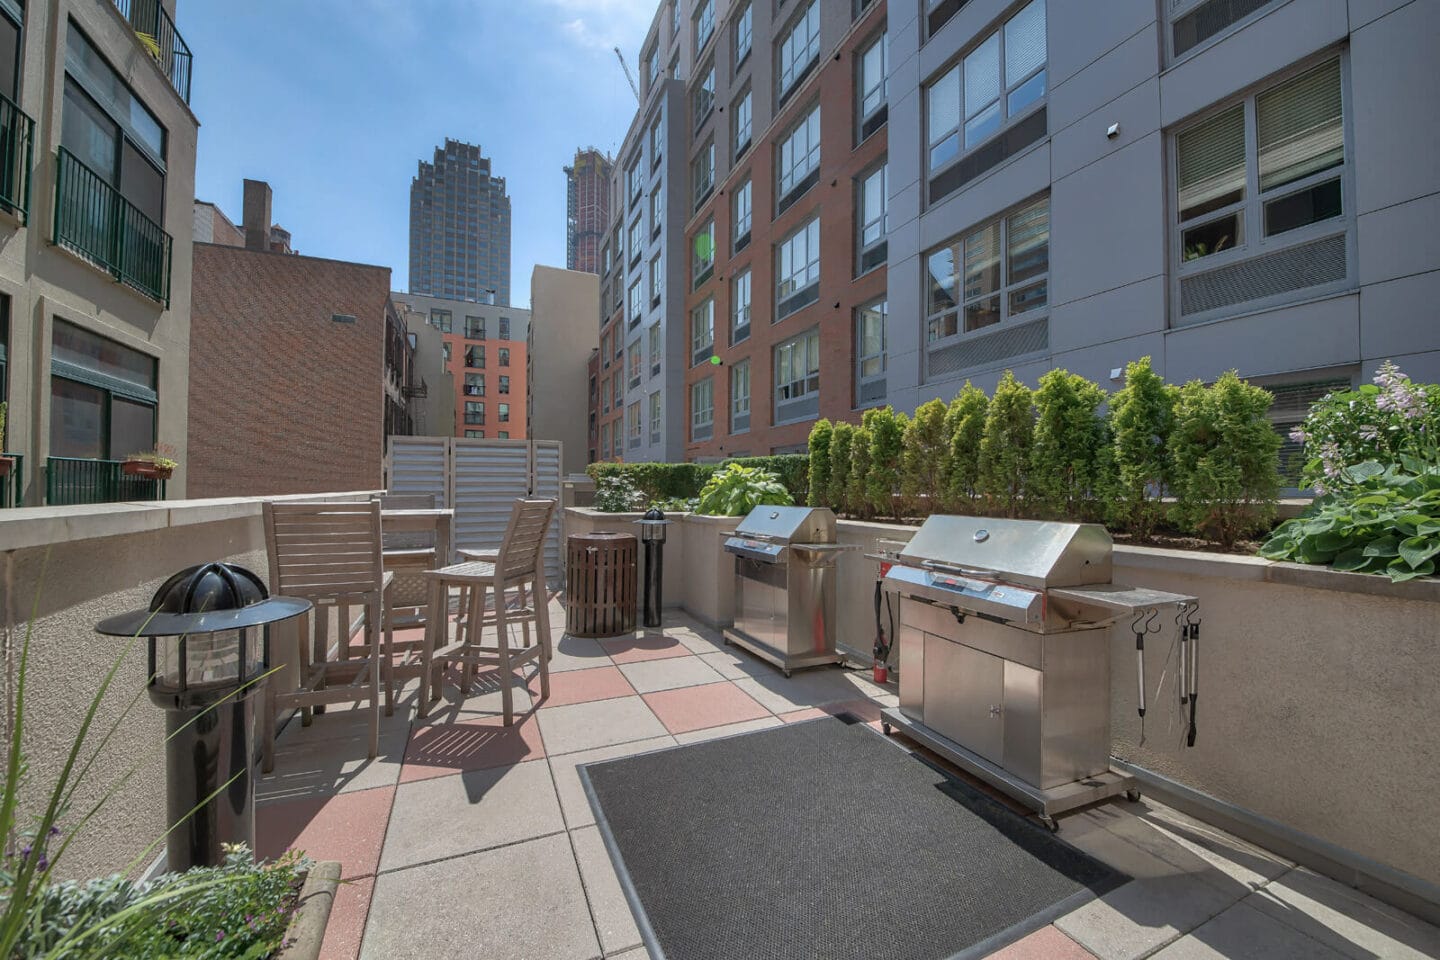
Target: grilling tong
x=1188 y=628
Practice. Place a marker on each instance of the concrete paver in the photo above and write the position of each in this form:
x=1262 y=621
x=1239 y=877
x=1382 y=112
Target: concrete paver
x=1243 y=931
x=613 y=920
x=648 y=676
x=573 y=802
x=711 y=705
x=1047 y=943
x=728 y=730
x=440 y=749
x=1143 y=915
x=1345 y=919
x=585 y=726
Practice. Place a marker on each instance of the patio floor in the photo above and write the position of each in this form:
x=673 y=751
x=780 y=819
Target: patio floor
x=465 y=838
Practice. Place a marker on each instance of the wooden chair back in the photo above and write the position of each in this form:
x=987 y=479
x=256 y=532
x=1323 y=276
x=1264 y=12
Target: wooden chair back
x=524 y=542
x=325 y=551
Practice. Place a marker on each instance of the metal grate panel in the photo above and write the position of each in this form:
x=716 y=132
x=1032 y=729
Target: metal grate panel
x=875 y=122
x=419 y=465
x=1295 y=268
x=798 y=191
x=702 y=431
x=988 y=155
x=801 y=409
x=1209 y=19
x=872 y=390
x=797 y=301
x=740 y=421
x=873 y=257
x=1007 y=342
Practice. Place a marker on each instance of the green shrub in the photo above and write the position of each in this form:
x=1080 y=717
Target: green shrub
x=820 y=462
x=616 y=494
x=842 y=438
x=1068 y=438
x=857 y=484
x=734 y=490
x=887 y=446
x=1005 y=447
x=792 y=469
x=1224 y=459
x=926 y=458
x=1140 y=418
x=657 y=481
x=965 y=428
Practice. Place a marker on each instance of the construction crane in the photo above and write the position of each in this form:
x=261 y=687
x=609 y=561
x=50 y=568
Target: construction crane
x=626 y=67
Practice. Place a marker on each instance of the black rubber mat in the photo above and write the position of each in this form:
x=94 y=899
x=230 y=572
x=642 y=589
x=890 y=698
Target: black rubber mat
x=823 y=840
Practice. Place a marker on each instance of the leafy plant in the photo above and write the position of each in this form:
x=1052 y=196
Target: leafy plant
x=792 y=469
x=1005 y=447
x=735 y=490
x=842 y=438
x=1195 y=251
x=1380 y=519
x=1064 y=468
x=926 y=457
x=1224 y=459
x=857 y=484
x=3 y=408
x=887 y=442
x=616 y=494
x=657 y=481
x=965 y=427
x=675 y=505
x=1140 y=417
x=819 y=445
x=162 y=456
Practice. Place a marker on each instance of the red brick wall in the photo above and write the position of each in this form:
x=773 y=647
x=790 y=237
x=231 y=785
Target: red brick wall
x=283 y=399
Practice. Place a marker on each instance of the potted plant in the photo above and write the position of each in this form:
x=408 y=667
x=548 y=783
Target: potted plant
x=157 y=464
x=6 y=463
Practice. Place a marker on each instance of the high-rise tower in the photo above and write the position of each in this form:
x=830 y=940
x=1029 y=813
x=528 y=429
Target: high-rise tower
x=459 y=227
x=587 y=208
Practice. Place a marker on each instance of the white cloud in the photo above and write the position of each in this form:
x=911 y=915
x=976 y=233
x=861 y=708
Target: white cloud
x=604 y=24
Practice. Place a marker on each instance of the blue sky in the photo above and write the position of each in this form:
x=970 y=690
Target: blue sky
x=335 y=101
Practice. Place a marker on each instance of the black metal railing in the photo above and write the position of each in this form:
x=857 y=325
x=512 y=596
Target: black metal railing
x=157 y=34
x=17 y=144
x=95 y=221
x=69 y=480
x=12 y=487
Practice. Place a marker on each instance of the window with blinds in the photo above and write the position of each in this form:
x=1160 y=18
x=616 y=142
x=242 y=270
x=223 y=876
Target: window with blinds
x=991 y=274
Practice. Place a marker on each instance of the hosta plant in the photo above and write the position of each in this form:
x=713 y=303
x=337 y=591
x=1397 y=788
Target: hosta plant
x=735 y=490
x=617 y=495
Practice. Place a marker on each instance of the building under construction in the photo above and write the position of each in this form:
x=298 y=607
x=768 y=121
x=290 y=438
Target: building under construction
x=587 y=209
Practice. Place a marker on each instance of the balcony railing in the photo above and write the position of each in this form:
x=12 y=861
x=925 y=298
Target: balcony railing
x=70 y=480
x=161 y=40
x=12 y=488
x=95 y=221
x=17 y=143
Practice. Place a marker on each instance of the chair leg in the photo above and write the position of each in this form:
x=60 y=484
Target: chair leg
x=427 y=647
x=474 y=616
x=388 y=664
x=542 y=629
x=502 y=631
x=375 y=614
x=313 y=626
x=524 y=621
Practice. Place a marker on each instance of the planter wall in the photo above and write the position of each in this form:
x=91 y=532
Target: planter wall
x=709 y=571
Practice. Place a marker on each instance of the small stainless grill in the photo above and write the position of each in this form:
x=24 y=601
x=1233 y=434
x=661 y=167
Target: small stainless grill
x=785 y=585
x=1003 y=665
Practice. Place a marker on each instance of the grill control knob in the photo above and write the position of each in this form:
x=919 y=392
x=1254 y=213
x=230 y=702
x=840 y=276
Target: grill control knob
x=982 y=535
x=774 y=514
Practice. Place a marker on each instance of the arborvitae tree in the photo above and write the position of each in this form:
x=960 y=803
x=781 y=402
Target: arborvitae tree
x=926 y=459
x=857 y=488
x=838 y=489
x=820 y=435
x=1224 y=459
x=1068 y=437
x=1005 y=448
x=964 y=429
x=1140 y=419
x=887 y=444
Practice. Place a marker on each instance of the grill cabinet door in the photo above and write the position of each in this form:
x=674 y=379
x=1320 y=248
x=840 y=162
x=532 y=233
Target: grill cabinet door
x=964 y=696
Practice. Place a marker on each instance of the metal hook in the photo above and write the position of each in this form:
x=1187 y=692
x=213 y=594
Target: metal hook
x=1152 y=620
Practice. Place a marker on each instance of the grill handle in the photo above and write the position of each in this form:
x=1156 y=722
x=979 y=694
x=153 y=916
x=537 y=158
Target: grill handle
x=938 y=567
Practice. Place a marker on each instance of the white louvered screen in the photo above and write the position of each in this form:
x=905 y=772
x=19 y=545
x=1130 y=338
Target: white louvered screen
x=420 y=465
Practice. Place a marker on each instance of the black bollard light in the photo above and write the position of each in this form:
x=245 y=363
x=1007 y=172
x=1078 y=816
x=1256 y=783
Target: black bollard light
x=208 y=635
x=652 y=534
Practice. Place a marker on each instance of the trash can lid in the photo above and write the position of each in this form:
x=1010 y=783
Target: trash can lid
x=206 y=598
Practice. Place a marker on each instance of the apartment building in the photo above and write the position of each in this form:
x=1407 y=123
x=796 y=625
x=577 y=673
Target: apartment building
x=97 y=175
x=1212 y=183
x=433 y=411
x=560 y=342
x=587 y=208
x=786 y=282
x=459 y=227
x=485 y=350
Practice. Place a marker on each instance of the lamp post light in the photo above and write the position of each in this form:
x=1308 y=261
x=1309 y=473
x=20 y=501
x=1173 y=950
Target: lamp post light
x=652 y=534
x=208 y=631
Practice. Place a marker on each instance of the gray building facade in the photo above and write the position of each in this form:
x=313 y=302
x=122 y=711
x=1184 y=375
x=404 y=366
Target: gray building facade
x=459 y=227
x=1216 y=184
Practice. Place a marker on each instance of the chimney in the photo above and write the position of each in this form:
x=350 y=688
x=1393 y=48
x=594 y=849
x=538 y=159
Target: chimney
x=257 y=215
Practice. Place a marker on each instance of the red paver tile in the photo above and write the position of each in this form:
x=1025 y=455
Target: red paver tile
x=445 y=748
x=582 y=686
x=1047 y=943
x=644 y=647
x=349 y=827
x=809 y=713
x=711 y=705
x=347 y=920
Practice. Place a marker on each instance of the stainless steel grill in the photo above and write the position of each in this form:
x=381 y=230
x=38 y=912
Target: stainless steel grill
x=785 y=585
x=1004 y=667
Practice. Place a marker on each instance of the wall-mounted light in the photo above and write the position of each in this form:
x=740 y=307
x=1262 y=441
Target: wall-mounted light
x=1112 y=131
x=1117 y=374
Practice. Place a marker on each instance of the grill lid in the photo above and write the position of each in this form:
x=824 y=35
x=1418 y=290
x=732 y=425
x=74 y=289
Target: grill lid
x=1032 y=553
x=789 y=524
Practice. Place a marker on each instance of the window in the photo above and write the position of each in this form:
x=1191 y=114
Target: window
x=605 y=348
x=657 y=141
x=702 y=173
x=474 y=411
x=504 y=434
x=871 y=88
x=655 y=349
x=618 y=350
x=652 y=68
x=797 y=377
x=474 y=356
x=504 y=328
x=504 y=412
x=637 y=240
x=675 y=21
x=704 y=261
x=740 y=306
x=636 y=180
x=991 y=274
x=939 y=12
x=657 y=279
x=704 y=96
x=800 y=48
x=634 y=363
x=655 y=417
x=637 y=301
x=870 y=321
x=740 y=201
x=504 y=384
x=504 y=356
x=702 y=409
x=475 y=384
x=475 y=434
x=995 y=83
x=605 y=260
x=704 y=24
x=1203 y=21
x=657 y=210
x=799 y=157
x=744 y=30
x=604 y=439
x=874 y=225
x=605 y=396
x=102 y=396
x=1263 y=181
x=632 y=424
x=474 y=327
x=445 y=349
x=702 y=332
x=441 y=320
x=798 y=270
x=742 y=115
x=740 y=397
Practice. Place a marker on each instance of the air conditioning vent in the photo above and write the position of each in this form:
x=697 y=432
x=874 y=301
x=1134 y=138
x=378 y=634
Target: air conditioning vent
x=1005 y=343
x=875 y=122
x=992 y=154
x=702 y=431
x=742 y=241
x=797 y=191
x=1295 y=268
x=742 y=332
x=740 y=421
x=702 y=356
x=1209 y=19
x=872 y=390
x=704 y=275
x=872 y=258
x=941 y=14
x=804 y=408
x=797 y=301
